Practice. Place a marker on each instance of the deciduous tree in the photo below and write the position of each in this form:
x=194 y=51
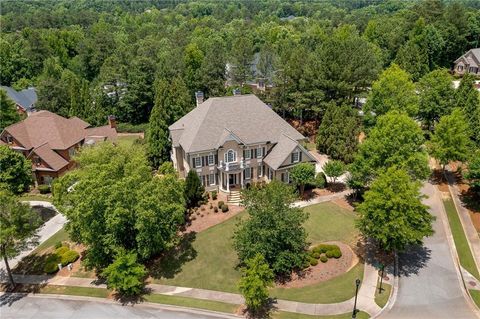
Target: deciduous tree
x=334 y=169
x=125 y=275
x=8 y=111
x=468 y=99
x=15 y=170
x=473 y=172
x=392 y=212
x=274 y=228
x=18 y=224
x=302 y=174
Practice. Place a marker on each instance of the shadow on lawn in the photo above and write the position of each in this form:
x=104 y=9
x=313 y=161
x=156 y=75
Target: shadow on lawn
x=32 y=264
x=170 y=264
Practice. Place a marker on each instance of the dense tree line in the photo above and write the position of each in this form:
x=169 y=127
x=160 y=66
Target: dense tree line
x=93 y=58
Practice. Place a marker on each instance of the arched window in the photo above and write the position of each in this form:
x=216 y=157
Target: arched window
x=230 y=156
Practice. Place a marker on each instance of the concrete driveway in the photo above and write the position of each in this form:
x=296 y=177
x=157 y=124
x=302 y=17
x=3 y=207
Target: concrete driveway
x=429 y=284
x=20 y=307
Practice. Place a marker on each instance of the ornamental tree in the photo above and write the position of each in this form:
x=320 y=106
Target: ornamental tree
x=334 y=169
x=113 y=201
x=15 y=170
x=396 y=140
x=451 y=140
x=274 y=228
x=193 y=189
x=18 y=224
x=392 y=212
x=125 y=274
x=256 y=278
x=302 y=174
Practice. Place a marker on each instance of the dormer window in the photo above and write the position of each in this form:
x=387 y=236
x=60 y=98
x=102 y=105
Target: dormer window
x=295 y=157
x=9 y=139
x=37 y=160
x=230 y=156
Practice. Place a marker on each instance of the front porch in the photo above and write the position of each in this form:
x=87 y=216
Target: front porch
x=231 y=181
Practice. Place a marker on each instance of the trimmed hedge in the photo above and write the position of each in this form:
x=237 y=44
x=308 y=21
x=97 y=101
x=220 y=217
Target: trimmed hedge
x=69 y=257
x=323 y=259
x=61 y=250
x=44 y=189
x=224 y=208
x=313 y=262
x=50 y=267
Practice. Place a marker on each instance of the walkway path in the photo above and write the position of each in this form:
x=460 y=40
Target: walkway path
x=46 y=231
x=430 y=285
x=322 y=199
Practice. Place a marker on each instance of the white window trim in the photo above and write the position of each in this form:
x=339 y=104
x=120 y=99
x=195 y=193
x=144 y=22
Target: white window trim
x=199 y=163
x=212 y=179
x=298 y=157
x=213 y=160
x=260 y=171
x=234 y=159
x=249 y=173
x=259 y=152
x=249 y=152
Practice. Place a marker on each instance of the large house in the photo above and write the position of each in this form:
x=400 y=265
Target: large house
x=24 y=100
x=234 y=141
x=50 y=141
x=468 y=63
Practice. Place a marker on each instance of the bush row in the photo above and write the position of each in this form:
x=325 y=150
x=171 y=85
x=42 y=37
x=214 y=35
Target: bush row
x=322 y=252
x=131 y=128
x=62 y=255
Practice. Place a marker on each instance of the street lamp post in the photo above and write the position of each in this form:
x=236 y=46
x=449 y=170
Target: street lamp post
x=382 y=267
x=354 y=314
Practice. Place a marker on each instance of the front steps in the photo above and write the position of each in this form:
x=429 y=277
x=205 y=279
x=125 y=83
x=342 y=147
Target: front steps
x=234 y=198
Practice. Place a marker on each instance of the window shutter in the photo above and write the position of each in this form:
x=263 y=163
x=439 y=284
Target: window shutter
x=193 y=162
x=263 y=151
x=203 y=161
x=255 y=153
x=216 y=159
x=300 y=157
x=243 y=153
x=291 y=157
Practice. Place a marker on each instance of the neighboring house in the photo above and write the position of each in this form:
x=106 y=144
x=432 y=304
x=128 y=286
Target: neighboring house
x=234 y=141
x=468 y=63
x=24 y=100
x=50 y=141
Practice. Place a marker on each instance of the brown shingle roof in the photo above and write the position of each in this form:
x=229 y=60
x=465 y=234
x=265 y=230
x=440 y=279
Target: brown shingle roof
x=45 y=152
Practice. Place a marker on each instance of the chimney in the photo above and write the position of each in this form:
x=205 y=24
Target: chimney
x=199 y=97
x=112 y=121
x=236 y=92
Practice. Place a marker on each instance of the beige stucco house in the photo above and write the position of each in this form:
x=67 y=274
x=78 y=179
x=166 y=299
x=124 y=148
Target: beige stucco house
x=468 y=63
x=234 y=141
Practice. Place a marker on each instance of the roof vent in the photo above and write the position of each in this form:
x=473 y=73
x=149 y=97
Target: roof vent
x=236 y=92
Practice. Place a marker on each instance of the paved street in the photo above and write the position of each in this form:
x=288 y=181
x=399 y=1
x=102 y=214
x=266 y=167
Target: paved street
x=429 y=286
x=52 y=308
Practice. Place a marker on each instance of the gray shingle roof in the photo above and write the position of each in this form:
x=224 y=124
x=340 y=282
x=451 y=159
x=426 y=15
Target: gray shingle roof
x=246 y=116
x=25 y=98
x=280 y=152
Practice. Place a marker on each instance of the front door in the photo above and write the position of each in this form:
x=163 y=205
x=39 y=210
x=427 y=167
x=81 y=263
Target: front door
x=232 y=179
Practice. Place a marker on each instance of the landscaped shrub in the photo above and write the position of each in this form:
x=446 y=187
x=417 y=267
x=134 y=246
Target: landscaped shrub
x=211 y=206
x=131 y=128
x=224 y=208
x=44 y=189
x=69 y=257
x=50 y=267
x=58 y=244
x=337 y=253
x=320 y=180
x=316 y=255
x=221 y=203
x=214 y=195
x=323 y=259
x=313 y=262
x=215 y=209
x=306 y=263
x=62 y=250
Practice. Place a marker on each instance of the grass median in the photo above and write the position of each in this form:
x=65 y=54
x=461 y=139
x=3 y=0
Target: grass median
x=461 y=243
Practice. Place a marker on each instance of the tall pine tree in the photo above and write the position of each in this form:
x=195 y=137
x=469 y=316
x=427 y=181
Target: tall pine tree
x=8 y=112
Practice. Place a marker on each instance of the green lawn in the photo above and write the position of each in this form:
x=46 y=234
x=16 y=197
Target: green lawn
x=338 y=289
x=126 y=140
x=461 y=243
x=75 y=291
x=192 y=303
x=28 y=197
x=61 y=235
x=209 y=260
x=381 y=299
x=475 y=296
x=292 y=315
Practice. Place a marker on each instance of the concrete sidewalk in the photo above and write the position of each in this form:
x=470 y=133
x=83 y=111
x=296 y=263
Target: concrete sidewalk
x=365 y=302
x=321 y=199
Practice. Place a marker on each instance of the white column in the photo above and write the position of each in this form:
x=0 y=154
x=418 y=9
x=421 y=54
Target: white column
x=228 y=183
x=241 y=177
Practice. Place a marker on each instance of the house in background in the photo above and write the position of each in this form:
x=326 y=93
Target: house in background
x=50 y=141
x=24 y=100
x=468 y=63
x=234 y=141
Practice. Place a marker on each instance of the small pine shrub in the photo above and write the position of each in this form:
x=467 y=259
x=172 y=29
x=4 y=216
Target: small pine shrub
x=323 y=259
x=215 y=209
x=58 y=244
x=316 y=255
x=313 y=262
x=337 y=253
x=69 y=257
x=221 y=203
x=306 y=264
x=224 y=208
x=214 y=195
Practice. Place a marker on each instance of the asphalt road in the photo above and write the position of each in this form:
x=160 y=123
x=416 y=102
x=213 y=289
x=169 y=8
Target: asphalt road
x=48 y=308
x=429 y=286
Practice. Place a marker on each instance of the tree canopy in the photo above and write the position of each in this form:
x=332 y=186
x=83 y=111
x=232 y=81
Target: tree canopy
x=302 y=174
x=392 y=212
x=8 y=111
x=116 y=203
x=15 y=170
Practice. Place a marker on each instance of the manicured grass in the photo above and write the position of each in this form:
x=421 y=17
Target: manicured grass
x=127 y=140
x=192 y=303
x=475 y=296
x=310 y=146
x=329 y=222
x=338 y=289
x=210 y=262
x=75 y=291
x=61 y=235
x=292 y=315
x=29 y=197
x=461 y=243
x=381 y=299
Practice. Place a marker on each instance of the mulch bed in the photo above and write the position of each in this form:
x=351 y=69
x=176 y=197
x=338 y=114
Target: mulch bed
x=324 y=271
